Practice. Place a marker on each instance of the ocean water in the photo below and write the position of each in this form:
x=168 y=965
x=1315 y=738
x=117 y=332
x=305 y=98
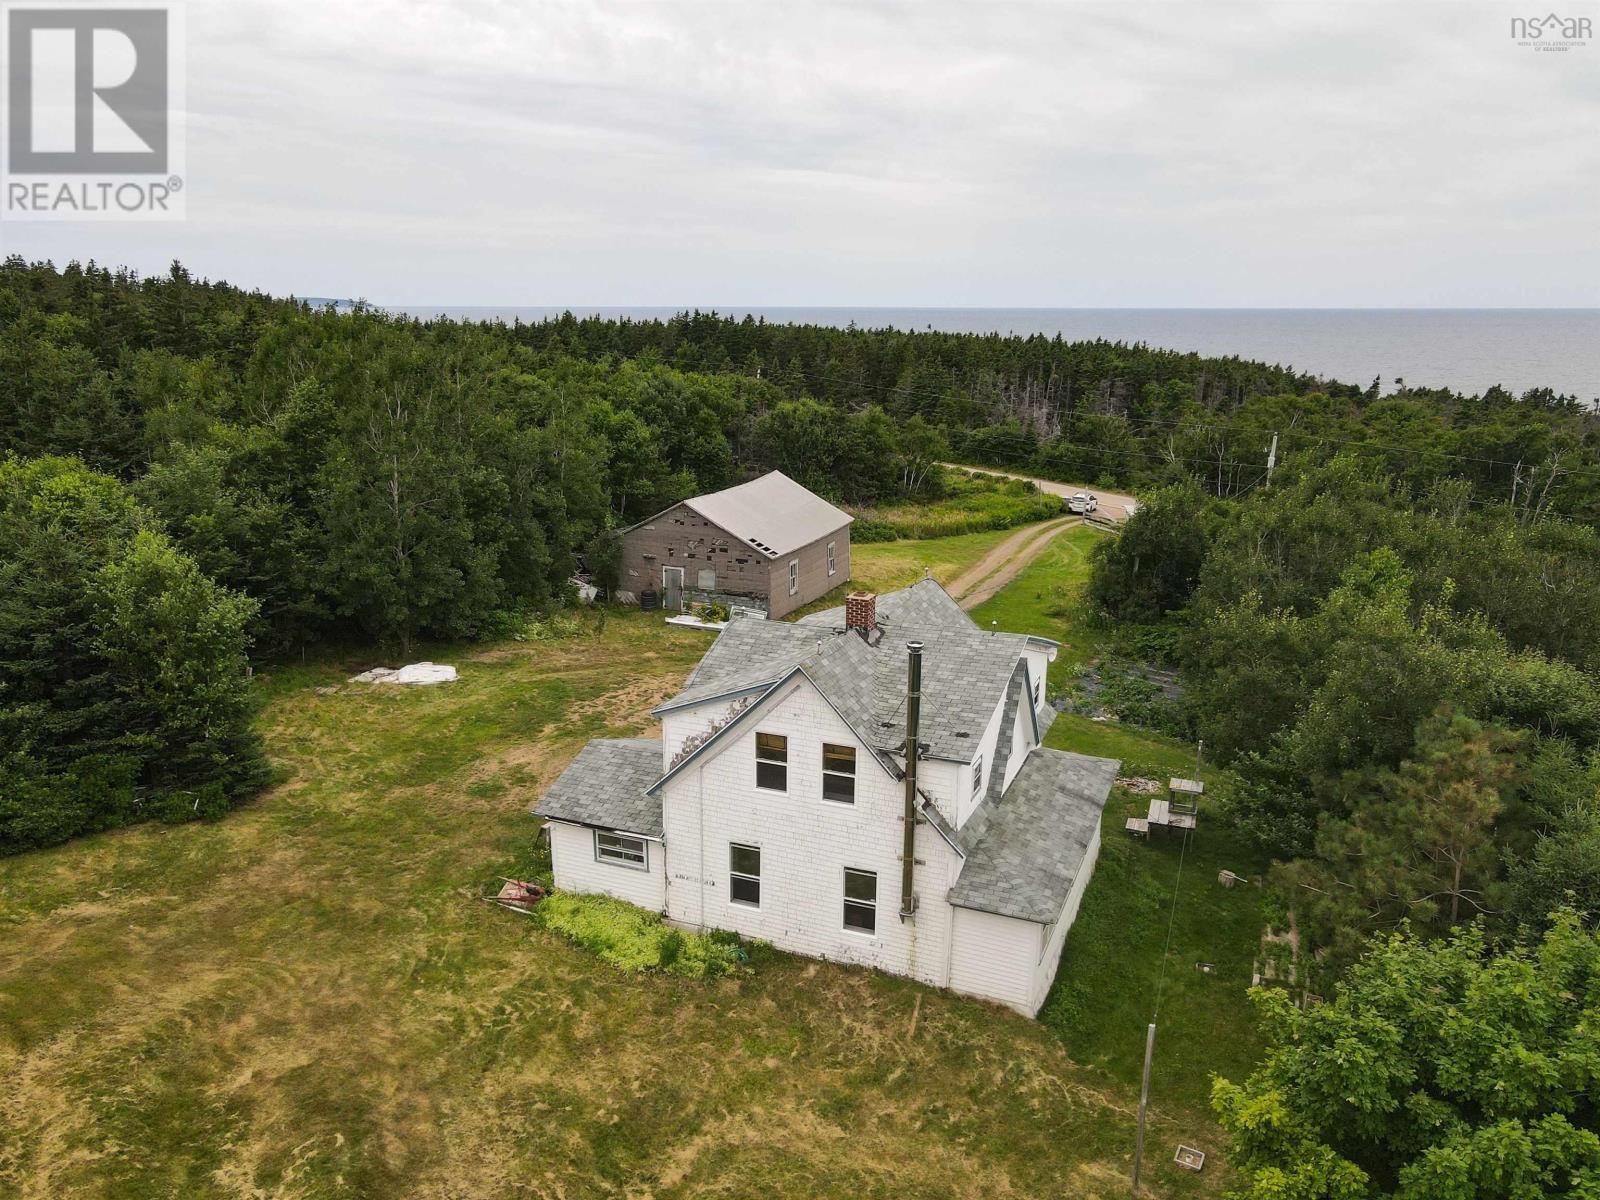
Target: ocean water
x=1468 y=350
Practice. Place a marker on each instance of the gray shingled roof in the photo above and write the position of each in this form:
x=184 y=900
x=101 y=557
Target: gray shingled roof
x=605 y=786
x=1025 y=855
x=925 y=604
x=965 y=670
x=749 y=653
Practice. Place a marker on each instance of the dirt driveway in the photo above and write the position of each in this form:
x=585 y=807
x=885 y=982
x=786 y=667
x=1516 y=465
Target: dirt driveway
x=1113 y=505
x=1005 y=562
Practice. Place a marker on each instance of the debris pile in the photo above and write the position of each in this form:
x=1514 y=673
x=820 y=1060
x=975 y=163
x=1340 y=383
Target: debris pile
x=416 y=673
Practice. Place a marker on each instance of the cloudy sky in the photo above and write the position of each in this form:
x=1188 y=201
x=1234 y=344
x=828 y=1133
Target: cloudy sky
x=1294 y=153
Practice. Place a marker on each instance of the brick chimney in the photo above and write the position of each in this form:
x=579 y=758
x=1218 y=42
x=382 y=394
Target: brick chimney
x=861 y=612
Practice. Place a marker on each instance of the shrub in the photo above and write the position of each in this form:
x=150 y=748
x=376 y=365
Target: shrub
x=871 y=529
x=972 y=504
x=636 y=940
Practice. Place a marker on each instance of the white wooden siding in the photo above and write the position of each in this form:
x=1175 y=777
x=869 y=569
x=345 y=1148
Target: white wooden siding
x=970 y=794
x=577 y=870
x=995 y=957
x=1045 y=973
x=806 y=843
x=1021 y=742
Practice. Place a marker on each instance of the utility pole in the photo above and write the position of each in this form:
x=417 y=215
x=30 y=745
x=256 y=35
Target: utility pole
x=1144 y=1100
x=1272 y=457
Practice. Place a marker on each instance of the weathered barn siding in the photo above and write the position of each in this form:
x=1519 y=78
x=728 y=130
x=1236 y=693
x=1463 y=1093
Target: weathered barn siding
x=814 y=579
x=681 y=537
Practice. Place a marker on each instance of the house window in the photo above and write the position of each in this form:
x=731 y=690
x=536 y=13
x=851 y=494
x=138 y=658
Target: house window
x=839 y=773
x=861 y=900
x=1038 y=691
x=833 y=561
x=977 y=775
x=772 y=762
x=707 y=579
x=744 y=874
x=794 y=576
x=621 y=849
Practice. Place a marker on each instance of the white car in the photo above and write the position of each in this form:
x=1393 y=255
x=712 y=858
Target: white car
x=1082 y=503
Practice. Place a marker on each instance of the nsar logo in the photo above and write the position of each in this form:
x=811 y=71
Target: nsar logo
x=1552 y=31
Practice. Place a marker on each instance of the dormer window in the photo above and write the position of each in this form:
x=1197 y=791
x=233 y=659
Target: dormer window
x=977 y=775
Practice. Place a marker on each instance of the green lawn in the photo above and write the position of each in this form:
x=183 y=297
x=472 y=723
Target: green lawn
x=1047 y=599
x=1105 y=990
x=309 y=999
x=887 y=566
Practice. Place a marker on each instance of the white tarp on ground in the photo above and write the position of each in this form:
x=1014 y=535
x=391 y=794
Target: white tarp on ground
x=415 y=673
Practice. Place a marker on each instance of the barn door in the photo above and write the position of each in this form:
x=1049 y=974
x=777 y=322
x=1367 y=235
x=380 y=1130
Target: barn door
x=672 y=588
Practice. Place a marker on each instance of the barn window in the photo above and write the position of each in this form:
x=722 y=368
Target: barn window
x=794 y=576
x=839 y=773
x=621 y=849
x=744 y=874
x=707 y=579
x=861 y=900
x=833 y=561
x=772 y=762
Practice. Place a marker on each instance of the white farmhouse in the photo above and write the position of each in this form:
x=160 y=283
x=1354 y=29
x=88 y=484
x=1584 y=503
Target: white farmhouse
x=775 y=803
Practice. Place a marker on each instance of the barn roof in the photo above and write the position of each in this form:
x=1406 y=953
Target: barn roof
x=774 y=514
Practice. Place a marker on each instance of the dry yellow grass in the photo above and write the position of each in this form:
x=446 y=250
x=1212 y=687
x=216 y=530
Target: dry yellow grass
x=308 y=999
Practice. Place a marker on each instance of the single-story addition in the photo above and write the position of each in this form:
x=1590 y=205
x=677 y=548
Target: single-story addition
x=865 y=785
x=769 y=544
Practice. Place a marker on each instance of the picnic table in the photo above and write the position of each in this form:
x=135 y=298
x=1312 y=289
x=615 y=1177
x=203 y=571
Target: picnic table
x=1178 y=811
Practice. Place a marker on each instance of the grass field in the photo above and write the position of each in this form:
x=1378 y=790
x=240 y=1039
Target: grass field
x=308 y=999
x=885 y=566
x=973 y=503
x=1047 y=599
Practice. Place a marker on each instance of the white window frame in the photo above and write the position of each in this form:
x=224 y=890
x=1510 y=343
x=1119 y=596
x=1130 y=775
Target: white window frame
x=977 y=775
x=794 y=576
x=870 y=905
x=828 y=771
x=784 y=763
x=732 y=875
x=833 y=560
x=1038 y=691
x=618 y=855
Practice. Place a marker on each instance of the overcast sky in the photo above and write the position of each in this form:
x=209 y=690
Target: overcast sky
x=1392 y=153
